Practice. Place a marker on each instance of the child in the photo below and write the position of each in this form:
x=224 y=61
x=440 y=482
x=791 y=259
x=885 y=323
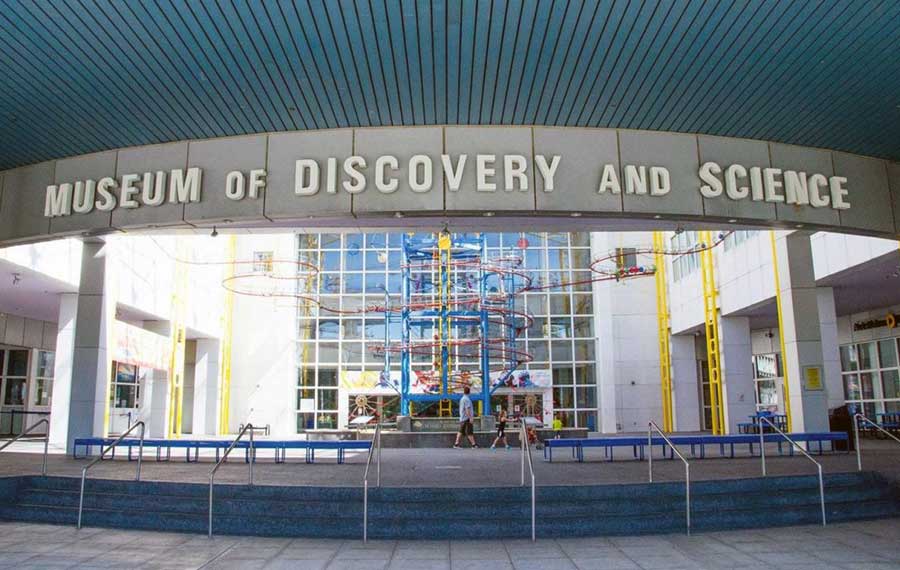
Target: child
x=501 y=430
x=557 y=426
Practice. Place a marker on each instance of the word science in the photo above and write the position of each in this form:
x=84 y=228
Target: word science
x=486 y=173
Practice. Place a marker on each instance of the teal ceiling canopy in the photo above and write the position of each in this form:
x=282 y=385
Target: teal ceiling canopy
x=78 y=76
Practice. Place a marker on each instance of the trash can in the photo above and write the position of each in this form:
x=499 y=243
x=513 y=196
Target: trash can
x=840 y=419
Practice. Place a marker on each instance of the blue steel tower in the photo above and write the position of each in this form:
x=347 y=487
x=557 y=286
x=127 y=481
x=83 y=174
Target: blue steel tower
x=457 y=307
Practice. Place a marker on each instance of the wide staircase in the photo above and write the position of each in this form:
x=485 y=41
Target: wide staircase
x=441 y=513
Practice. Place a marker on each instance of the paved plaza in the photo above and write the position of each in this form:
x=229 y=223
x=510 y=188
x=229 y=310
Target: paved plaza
x=856 y=546
x=453 y=467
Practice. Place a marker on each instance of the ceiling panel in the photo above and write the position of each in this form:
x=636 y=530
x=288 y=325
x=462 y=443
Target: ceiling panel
x=79 y=76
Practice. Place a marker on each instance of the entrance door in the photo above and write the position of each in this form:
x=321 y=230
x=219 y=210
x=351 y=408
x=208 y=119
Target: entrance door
x=706 y=412
x=13 y=383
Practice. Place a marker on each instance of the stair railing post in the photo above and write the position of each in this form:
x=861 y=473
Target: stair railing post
x=140 y=453
x=522 y=437
x=378 y=466
x=252 y=456
x=856 y=441
x=762 y=447
x=46 y=447
x=650 y=449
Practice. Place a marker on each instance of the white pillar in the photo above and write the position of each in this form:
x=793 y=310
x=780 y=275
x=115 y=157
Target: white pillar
x=156 y=396
x=82 y=375
x=605 y=344
x=62 y=370
x=685 y=383
x=206 y=387
x=738 y=391
x=802 y=334
x=831 y=355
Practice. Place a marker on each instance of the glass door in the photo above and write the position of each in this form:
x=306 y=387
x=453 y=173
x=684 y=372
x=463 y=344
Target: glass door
x=13 y=384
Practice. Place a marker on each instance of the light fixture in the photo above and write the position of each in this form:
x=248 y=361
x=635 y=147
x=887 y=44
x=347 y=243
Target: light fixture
x=657 y=217
x=214 y=232
x=732 y=220
x=398 y=215
x=489 y=214
x=798 y=226
x=17 y=277
x=576 y=214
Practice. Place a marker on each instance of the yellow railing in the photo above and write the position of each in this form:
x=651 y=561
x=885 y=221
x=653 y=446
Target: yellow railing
x=662 y=320
x=710 y=310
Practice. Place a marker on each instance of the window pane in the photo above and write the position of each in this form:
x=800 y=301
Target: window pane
x=584 y=350
x=586 y=397
x=306 y=377
x=887 y=351
x=867 y=356
x=45 y=364
x=563 y=398
x=328 y=377
x=42 y=388
x=328 y=352
x=867 y=384
x=851 y=387
x=15 y=392
x=848 y=358
x=562 y=375
x=18 y=363
x=584 y=374
x=890 y=380
x=561 y=350
x=587 y=420
x=326 y=400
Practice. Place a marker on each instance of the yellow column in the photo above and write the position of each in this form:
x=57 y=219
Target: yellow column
x=662 y=319
x=227 y=326
x=710 y=309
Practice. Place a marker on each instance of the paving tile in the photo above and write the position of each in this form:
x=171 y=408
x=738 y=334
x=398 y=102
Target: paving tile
x=419 y=564
x=357 y=564
x=610 y=563
x=544 y=564
x=308 y=553
x=283 y=564
x=239 y=564
x=481 y=565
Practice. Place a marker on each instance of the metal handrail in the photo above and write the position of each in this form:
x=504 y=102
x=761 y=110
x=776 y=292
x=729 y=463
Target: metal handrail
x=856 y=418
x=376 y=442
x=795 y=445
x=687 y=469
x=46 y=441
x=212 y=472
x=103 y=453
x=526 y=452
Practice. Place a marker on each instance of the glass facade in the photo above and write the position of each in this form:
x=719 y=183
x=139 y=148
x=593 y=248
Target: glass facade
x=684 y=265
x=356 y=271
x=871 y=376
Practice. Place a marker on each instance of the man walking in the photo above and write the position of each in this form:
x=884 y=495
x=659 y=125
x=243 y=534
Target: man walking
x=466 y=413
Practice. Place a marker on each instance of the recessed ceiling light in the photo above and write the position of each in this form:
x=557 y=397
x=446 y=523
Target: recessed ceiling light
x=489 y=214
x=576 y=214
x=398 y=214
x=732 y=220
x=657 y=217
x=799 y=226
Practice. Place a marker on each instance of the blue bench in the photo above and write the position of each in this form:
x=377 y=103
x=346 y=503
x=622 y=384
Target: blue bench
x=638 y=443
x=192 y=447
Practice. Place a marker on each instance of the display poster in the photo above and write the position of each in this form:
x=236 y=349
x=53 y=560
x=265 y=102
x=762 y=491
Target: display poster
x=812 y=378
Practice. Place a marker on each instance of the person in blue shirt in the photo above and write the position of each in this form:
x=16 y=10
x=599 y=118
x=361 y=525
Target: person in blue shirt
x=466 y=414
